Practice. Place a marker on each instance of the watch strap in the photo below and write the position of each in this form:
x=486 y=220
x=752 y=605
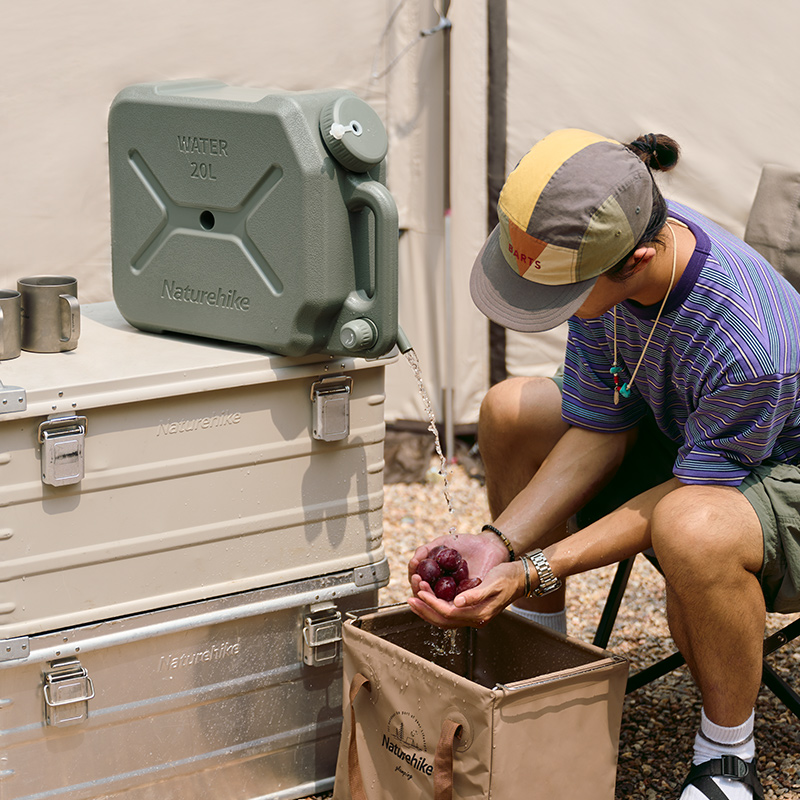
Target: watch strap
x=548 y=582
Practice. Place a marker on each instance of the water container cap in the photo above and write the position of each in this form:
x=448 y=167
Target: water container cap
x=353 y=133
x=358 y=334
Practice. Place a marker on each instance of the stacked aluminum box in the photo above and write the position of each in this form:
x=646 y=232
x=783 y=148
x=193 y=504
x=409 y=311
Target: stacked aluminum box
x=183 y=525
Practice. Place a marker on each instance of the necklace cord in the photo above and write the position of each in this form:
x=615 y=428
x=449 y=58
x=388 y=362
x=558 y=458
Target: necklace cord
x=625 y=389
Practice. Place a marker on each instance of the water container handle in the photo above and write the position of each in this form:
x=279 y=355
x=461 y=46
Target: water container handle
x=381 y=307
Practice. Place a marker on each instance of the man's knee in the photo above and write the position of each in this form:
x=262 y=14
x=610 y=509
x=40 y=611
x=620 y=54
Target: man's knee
x=500 y=406
x=519 y=406
x=520 y=422
x=706 y=528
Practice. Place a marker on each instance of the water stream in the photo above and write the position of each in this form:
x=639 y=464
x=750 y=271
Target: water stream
x=412 y=359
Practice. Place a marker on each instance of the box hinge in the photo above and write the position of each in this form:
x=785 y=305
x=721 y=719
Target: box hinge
x=62 y=441
x=374 y=575
x=330 y=398
x=14 y=649
x=322 y=635
x=12 y=398
x=67 y=692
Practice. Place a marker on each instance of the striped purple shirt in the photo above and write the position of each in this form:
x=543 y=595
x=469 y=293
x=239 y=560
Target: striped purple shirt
x=721 y=372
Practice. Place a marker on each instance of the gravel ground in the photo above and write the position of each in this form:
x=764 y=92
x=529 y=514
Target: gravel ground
x=659 y=720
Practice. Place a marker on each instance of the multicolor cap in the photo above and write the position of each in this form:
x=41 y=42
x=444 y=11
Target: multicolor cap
x=574 y=207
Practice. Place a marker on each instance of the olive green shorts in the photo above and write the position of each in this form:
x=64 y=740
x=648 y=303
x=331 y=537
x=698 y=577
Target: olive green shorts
x=772 y=489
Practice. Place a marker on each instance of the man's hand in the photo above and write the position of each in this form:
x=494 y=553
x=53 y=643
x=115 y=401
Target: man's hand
x=500 y=586
x=482 y=552
x=488 y=560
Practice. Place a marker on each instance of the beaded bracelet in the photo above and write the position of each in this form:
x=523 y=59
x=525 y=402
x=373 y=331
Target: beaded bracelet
x=503 y=539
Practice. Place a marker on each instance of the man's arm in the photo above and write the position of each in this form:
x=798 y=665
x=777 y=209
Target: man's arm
x=577 y=468
x=620 y=534
x=580 y=464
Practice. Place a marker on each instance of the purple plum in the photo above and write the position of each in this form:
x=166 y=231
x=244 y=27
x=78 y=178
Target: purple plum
x=449 y=559
x=429 y=571
x=445 y=588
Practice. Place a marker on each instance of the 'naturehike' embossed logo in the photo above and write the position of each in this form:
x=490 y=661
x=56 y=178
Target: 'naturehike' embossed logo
x=221 y=420
x=229 y=299
x=214 y=652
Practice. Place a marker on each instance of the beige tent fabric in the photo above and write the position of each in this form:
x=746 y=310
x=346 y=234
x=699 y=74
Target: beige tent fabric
x=63 y=63
x=447 y=331
x=468 y=198
x=414 y=68
x=716 y=76
x=536 y=353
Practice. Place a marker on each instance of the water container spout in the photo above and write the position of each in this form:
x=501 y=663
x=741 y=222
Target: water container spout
x=403 y=344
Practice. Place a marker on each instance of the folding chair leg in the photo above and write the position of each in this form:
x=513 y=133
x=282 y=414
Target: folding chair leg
x=611 y=609
x=778 y=686
x=774 y=682
x=782 y=637
x=657 y=670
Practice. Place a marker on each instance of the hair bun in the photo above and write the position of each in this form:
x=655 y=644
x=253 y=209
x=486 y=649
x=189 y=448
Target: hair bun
x=657 y=150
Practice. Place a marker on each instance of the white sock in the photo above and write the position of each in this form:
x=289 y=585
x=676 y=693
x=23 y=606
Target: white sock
x=714 y=741
x=556 y=621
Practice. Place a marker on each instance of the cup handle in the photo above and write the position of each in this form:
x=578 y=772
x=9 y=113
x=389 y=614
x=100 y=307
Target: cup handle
x=70 y=319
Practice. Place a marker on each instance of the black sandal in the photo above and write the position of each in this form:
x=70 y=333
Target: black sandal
x=731 y=767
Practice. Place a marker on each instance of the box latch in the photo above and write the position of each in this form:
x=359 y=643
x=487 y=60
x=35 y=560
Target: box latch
x=62 y=440
x=67 y=692
x=331 y=401
x=322 y=634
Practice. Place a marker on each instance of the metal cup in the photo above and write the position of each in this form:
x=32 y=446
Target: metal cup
x=51 y=314
x=9 y=325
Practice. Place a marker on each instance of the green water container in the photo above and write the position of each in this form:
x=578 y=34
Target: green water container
x=253 y=216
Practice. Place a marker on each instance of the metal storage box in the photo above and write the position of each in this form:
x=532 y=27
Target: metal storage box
x=183 y=522
x=203 y=470
x=212 y=699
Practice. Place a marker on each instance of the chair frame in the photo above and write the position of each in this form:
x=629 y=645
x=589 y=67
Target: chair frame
x=774 y=682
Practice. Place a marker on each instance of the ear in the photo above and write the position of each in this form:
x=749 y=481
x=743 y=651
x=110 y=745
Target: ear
x=641 y=257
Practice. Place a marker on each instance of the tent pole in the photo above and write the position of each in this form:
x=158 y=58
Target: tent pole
x=449 y=427
x=449 y=336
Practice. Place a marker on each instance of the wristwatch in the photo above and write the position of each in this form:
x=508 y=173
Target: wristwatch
x=547 y=581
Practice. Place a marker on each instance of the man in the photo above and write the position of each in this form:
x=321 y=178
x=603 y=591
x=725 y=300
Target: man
x=677 y=426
